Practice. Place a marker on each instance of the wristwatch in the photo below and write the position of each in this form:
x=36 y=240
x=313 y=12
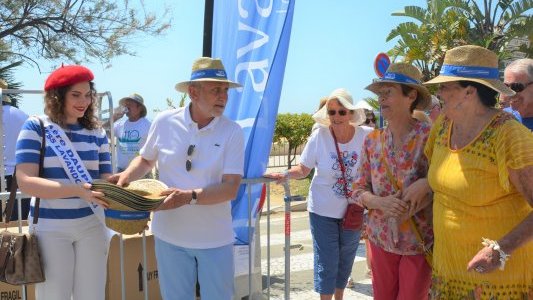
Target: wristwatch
x=194 y=198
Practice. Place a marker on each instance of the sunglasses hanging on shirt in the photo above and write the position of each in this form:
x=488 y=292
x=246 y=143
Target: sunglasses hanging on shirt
x=188 y=163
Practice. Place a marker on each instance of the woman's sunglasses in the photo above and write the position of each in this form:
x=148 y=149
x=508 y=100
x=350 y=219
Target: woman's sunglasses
x=518 y=87
x=368 y=121
x=341 y=112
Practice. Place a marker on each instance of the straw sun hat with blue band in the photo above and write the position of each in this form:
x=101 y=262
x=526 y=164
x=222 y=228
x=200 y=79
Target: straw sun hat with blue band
x=206 y=69
x=129 y=208
x=406 y=74
x=472 y=63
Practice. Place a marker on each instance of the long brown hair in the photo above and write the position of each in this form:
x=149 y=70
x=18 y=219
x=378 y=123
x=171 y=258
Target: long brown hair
x=54 y=107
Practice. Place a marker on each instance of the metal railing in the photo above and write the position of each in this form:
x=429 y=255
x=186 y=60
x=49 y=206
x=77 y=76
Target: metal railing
x=288 y=198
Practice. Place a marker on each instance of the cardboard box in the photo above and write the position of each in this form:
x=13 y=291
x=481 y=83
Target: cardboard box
x=133 y=267
x=14 y=292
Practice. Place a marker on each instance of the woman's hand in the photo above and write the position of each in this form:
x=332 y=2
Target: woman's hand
x=90 y=196
x=296 y=172
x=485 y=261
x=417 y=195
x=280 y=177
x=391 y=206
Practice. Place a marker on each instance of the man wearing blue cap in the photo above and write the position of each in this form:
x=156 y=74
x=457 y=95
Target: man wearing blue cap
x=200 y=156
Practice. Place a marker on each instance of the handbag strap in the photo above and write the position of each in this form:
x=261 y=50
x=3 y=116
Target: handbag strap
x=388 y=172
x=14 y=185
x=397 y=187
x=341 y=164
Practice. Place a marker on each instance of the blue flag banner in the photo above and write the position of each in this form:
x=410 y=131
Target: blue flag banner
x=252 y=39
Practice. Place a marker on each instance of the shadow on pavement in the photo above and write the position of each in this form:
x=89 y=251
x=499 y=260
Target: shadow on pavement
x=363 y=288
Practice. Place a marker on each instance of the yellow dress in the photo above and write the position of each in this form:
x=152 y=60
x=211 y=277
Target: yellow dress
x=473 y=198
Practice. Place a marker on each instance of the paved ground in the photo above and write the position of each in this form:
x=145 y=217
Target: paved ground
x=301 y=263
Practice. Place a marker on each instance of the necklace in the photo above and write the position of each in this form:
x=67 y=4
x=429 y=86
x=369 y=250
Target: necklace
x=464 y=134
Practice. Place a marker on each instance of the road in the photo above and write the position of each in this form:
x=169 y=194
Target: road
x=301 y=281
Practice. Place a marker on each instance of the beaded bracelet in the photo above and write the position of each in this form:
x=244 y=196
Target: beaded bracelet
x=495 y=246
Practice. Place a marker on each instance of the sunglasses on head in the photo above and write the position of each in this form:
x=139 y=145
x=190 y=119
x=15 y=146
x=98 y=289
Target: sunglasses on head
x=341 y=112
x=517 y=87
x=188 y=163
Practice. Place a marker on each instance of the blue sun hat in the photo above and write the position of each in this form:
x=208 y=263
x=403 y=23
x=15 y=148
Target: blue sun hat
x=406 y=74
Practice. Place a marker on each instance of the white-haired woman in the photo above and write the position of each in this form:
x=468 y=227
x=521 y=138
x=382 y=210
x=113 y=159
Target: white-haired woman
x=333 y=150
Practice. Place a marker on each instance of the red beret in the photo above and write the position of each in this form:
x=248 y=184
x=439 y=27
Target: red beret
x=67 y=75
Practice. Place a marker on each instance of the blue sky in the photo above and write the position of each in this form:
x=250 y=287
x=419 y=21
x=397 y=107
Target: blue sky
x=333 y=44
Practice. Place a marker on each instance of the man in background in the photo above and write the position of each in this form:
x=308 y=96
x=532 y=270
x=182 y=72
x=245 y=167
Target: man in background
x=12 y=120
x=130 y=133
x=518 y=76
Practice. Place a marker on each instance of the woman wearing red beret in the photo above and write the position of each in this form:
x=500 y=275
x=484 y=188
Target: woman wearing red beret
x=70 y=229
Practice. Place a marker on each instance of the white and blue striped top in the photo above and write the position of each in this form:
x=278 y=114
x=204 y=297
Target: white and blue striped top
x=92 y=147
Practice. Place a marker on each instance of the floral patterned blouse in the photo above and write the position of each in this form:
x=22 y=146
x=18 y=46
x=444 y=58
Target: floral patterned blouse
x=406 y=165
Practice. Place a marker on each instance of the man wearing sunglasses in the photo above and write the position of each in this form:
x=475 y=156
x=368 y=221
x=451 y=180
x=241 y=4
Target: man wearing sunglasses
x=519 y=77
x=200 y=156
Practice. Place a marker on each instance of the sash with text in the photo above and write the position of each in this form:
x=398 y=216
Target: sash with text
x=70 y=160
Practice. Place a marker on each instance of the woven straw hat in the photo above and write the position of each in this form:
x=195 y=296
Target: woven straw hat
x=346 y=100
x=472 y=63
x=125 y=220
x=129 y=208
x=406 y=74
x=206 y=69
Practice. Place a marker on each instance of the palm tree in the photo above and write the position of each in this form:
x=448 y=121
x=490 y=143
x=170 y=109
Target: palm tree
x=373 y=102
x=497 y=23
x=6 y=73
x=424 y=42
x=446 y=24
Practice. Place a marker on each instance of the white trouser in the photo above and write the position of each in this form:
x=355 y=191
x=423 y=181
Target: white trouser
x=75 y=264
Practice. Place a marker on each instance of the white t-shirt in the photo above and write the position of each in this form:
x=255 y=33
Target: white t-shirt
x=12 y=120
x=326 y=195
x=219 y=150
x=131 y=136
